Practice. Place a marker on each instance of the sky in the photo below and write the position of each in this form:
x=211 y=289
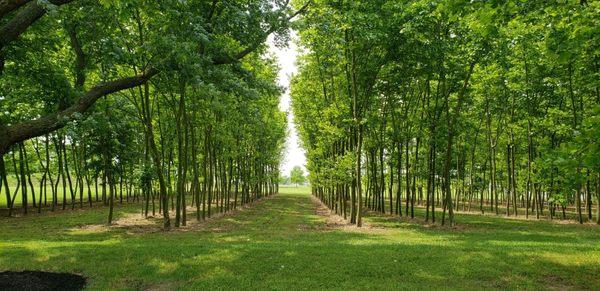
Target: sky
x=286 y=57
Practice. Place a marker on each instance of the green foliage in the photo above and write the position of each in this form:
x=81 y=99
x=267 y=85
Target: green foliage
x=472 y=81
x=191 y=83
x=297 y=176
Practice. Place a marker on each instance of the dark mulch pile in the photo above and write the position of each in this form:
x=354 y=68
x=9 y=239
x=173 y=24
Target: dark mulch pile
x=34 y=280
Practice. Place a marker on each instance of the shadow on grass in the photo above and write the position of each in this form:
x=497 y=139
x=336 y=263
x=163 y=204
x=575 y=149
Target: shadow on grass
x=279 y=244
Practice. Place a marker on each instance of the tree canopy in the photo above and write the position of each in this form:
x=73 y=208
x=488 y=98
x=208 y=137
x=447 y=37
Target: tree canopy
x=297 y=176
x=483 y=105
x=142 y=95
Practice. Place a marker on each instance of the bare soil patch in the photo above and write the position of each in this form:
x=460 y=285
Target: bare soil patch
x=136 y=223
x=336 y=222
x=554 y=282
x=36 y=280
x=418 y=221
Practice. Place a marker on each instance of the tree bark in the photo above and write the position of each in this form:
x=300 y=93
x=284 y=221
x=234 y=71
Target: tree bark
x=8 y=6
x=23 y=19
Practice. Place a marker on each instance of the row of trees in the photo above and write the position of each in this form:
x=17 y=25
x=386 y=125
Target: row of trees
x=489 y=106
x=160 y=101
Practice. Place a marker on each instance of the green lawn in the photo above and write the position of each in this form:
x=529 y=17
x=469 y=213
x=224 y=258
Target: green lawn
x=282 y=243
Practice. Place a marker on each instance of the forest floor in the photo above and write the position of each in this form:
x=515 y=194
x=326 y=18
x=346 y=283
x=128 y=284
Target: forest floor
x=290 y=241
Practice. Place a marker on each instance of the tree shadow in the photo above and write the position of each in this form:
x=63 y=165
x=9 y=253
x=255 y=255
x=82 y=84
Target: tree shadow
x=267 y=248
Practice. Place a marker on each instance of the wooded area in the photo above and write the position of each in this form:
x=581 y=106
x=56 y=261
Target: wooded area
x=478 y=106
x=164 y=102
x=451 y=144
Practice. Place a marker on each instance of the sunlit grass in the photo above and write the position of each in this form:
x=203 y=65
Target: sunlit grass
x=282 y=244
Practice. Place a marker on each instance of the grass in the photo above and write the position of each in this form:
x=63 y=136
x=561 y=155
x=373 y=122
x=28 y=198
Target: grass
x=282 y=243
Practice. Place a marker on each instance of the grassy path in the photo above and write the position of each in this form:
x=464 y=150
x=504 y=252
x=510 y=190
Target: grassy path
x=283 y=243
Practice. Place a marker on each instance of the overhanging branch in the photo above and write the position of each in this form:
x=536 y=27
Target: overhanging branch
x=33 y=128
x=31 y=12
x=259 y=40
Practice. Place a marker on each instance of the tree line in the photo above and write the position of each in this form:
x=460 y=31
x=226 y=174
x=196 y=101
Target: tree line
x=164 y=102
x=478 y=106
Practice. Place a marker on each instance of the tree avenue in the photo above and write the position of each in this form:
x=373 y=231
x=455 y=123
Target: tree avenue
x=479 y=106
x=446 y=144
x=164 y=102
x=450 y=106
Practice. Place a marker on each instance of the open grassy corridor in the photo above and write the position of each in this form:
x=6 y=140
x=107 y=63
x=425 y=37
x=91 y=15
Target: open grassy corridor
x=283 y=243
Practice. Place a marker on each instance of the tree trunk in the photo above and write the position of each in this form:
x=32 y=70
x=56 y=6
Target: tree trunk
x=359 y=178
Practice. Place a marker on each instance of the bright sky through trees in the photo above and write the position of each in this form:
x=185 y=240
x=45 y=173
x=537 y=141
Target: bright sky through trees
x=286 y=57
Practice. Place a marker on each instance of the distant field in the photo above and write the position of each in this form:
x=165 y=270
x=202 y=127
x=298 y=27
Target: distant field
x=36 y=184
x=294 y=189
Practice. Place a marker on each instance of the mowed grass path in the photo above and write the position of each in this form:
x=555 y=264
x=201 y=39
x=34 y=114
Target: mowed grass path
x=282 y=243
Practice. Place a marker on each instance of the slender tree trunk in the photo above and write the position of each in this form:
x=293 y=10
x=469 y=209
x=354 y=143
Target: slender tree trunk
x=588 y=199
x=4 y=182
x=414 y=176
x=67 y=172
x=111 y=197
x=578 y=199
x=399 y=178
x=359 y=178
x=156 y=158
x=23 y=179
x=597 y=198
x=28 y=173
x=407 y=174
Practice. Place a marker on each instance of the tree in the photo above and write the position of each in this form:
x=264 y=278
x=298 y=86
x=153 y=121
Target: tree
x=448 y=103
x=297 y=176
x=275 y=21
x=141 y=102
x=284 y=180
